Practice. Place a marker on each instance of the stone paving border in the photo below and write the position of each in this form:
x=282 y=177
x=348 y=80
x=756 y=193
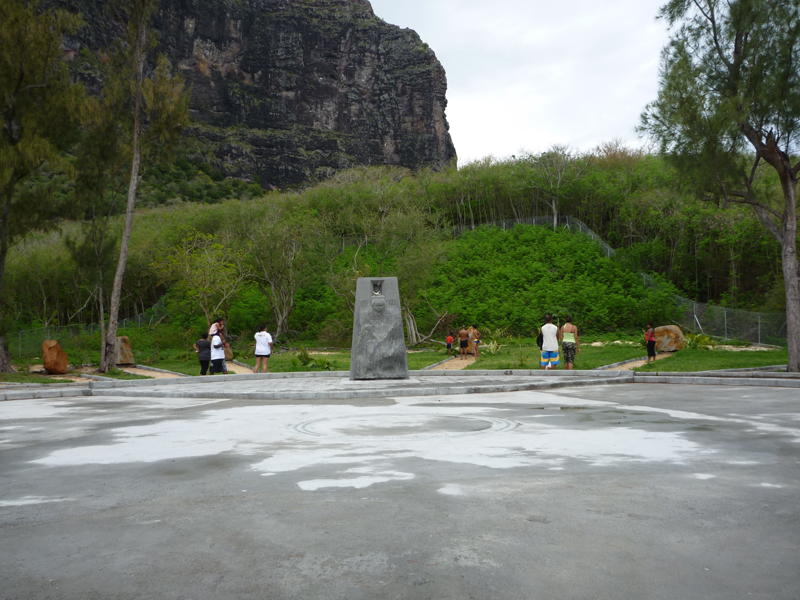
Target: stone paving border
x=171 y=387
x=157 y=370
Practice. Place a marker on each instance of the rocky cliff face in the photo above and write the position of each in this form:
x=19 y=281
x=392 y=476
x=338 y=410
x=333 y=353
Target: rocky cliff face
x=283 y=91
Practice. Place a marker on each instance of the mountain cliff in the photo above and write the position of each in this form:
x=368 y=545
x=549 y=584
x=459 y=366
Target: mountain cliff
x=284 y=91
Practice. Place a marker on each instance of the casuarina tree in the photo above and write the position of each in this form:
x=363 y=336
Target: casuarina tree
x=39 y=108
x=157 y=107
x=728 y=111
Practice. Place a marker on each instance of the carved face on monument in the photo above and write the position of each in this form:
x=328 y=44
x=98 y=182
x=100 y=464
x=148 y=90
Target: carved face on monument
x=378 y=304
x=377 y=300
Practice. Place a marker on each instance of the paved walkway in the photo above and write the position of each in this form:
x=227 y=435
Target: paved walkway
x=623 y=492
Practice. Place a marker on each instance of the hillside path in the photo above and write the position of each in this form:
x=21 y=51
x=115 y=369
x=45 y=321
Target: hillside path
x=454 y=364
x=638 y=363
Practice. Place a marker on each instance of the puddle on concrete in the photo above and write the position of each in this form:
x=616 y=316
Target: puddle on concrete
x=362 y=446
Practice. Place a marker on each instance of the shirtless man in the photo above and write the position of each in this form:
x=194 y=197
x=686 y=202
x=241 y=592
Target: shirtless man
x=463 y=342
x=476 y=341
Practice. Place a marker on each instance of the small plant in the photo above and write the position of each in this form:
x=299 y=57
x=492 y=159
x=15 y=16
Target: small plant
x=491 y=347
x=501 y=333
x=304 y=358
x=696 y=341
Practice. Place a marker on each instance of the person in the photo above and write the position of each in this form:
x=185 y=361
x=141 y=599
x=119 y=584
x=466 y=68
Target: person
x=463 y=342
x=217 y=354
x=263 y=349
x=476 y=341
x=650 y=340
x=550 y=339
x=218 y=326
x=203 y=349
x=570 y=342
x=449 y=342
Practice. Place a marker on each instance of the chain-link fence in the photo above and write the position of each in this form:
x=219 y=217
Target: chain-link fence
x=28 y=342
x=732 y=323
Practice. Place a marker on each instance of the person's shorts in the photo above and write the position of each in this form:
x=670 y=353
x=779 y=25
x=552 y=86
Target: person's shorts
x=449 y=346
x=569 y=349
x=263 y=355
x=463 y=343
x=549 y=357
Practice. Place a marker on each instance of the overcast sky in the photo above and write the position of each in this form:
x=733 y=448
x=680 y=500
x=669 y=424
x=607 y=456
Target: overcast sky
x=523 y=75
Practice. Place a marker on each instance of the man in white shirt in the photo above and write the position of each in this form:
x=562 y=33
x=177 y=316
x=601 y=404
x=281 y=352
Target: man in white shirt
x=217 y=355
x=550 y=339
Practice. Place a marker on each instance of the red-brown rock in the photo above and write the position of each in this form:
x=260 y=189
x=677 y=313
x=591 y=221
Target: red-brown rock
x=124 y=351
x=54 y=358
x=669 y=338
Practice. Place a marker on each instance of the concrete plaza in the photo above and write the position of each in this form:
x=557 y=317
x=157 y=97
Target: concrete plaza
x=248 y=487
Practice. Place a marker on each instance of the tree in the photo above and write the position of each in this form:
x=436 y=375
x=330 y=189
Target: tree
x=39 y=106
x=554 y=170
x=728 y=112
x=208 y=272
x=282 y=245
x=158 y=109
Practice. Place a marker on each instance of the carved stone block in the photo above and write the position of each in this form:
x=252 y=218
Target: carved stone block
x=379 y=349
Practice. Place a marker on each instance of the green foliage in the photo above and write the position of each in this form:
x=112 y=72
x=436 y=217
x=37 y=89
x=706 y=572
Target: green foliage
x=39 y=113
x=249 y=309
x=697 y=341
x=511 y=278
x=204 y=271
x=188 y=181
x=385 y=221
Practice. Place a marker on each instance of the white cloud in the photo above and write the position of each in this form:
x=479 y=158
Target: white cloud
x=527 y=74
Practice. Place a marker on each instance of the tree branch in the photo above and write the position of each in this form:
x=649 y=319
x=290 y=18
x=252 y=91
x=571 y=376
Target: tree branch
x=709 y=16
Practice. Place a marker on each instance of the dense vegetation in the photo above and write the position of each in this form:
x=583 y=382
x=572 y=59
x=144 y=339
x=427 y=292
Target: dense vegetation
x=291 y=258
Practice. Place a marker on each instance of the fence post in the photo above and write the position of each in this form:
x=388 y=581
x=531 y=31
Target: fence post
x=725 y=323
x=759 y=327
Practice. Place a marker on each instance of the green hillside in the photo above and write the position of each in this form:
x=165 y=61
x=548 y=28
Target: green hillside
x=291 y=258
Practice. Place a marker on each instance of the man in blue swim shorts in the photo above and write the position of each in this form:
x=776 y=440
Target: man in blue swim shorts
x=550 y=335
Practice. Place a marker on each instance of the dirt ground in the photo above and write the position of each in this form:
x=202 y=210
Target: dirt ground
x=454 y=364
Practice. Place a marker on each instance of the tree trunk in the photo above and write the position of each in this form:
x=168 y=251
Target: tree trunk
x=5 y=357
x=102 y=308
x=282 y=303
x=109 y=356
x=5 y=241
x=791 y=275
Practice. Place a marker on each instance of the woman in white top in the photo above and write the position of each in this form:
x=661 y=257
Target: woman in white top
x=263 y=349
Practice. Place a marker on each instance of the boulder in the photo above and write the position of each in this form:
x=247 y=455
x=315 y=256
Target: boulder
x=669 y=338
x=124 y=352
x=54 y=358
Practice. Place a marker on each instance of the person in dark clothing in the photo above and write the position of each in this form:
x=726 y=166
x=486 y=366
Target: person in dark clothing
x=203 y=349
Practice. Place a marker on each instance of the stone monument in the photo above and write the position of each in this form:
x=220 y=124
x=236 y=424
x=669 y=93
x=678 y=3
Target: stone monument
x=379 y=350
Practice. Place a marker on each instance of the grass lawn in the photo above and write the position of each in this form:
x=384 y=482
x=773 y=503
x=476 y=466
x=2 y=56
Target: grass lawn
x=524 y=354
x=119 y=374
x=283 y=362
x=28 y=378
x=705 y=360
